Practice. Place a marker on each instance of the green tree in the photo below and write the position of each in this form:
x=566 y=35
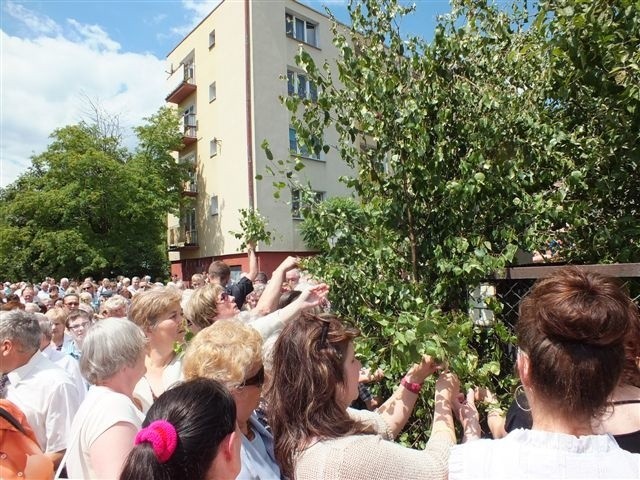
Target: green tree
x=594 y=73
x=465 y=149
x=88 y=206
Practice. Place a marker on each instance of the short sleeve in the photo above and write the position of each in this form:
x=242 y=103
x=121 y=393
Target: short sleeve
x=63 y=405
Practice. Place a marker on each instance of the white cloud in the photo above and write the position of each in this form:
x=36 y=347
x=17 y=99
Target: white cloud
x=197 y=11
x=46 y=80
x=94 y=36
x=33 y=21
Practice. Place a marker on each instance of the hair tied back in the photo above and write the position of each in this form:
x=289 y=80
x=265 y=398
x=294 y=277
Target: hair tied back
x=163 y=438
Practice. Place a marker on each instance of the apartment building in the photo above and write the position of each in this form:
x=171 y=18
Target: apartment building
x=226 y=79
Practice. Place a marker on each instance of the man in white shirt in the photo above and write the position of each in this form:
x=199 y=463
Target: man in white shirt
x=43 y=293
x=41 y=389
x=135 y=285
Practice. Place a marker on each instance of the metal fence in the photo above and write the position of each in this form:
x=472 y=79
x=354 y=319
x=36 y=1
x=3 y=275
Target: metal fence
x=516 y=282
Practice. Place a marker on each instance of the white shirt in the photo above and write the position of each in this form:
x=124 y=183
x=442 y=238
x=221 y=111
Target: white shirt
x=71 y=366
x=171 y=374
x=101 y=410
x=67 y=341
x=48 y=398
x=42 y=295
x=544 y=455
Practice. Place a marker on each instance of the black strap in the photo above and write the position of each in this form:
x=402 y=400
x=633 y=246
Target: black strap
x=625 y=402
x=12 y=420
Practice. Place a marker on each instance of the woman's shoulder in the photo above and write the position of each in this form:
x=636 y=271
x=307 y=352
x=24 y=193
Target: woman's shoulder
x=106 y=401
x=373 y=421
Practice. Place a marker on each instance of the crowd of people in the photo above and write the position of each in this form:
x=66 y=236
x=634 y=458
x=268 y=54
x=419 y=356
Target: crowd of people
x=257 y=379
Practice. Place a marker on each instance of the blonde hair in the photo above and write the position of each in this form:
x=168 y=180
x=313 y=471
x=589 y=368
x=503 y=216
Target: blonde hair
x=148 y=306
x=202 y=307
x=86 y=297
x=226 y=351
x=57 y=313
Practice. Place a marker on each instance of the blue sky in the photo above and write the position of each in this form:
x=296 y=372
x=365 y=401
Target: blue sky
x=56 y=54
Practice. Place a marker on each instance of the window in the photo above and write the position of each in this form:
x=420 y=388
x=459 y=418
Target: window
x=189 y=121
x=189 y=72
x=301 y=200
x=190 y=228
x=298 y=149
x=298 y=84
x=300 y=29
x=190 y=185
x=214 y=205
x=212 y=39
x=291 y=83
x=212 y=92
x=213 y=147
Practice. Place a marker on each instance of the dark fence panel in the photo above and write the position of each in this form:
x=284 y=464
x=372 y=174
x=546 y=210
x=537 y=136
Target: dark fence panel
x=515 y=283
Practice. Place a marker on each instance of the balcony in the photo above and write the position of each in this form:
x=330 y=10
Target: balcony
x=182 y=238
x=190 y=188
x=185 y=84
x=189 y=135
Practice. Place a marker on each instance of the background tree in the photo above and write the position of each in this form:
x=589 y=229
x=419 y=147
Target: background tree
x=507 y=131
x=88 y=206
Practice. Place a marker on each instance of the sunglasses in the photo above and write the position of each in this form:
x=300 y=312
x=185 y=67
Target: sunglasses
x=257 y=380
x=224 y=296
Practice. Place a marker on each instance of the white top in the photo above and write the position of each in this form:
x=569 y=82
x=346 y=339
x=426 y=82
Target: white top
x=101 y=410
x=544 y=455
x=269 y=328
x=71 y=366
x=48 y=398
x=171 y=374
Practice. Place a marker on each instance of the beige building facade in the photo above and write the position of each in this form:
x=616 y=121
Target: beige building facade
x=226 y=79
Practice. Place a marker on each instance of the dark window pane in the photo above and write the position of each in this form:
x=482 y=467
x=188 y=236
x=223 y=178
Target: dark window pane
x=288 y=25
x=299 y=33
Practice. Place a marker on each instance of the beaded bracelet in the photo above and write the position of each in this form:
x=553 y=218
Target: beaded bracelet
x=411 y=386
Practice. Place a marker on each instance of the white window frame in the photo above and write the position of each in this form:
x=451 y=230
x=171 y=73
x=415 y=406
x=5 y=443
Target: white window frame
x=189 y=71
x=297 y=203
x=214 y=208
x=212 y=92
x=190 y=120
x=294 y=84
x=294 y=21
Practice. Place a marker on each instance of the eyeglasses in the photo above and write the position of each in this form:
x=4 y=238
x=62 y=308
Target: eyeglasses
x=80 y=325
x=257 y=380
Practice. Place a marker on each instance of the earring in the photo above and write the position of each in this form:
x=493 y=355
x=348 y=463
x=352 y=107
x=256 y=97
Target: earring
x=520 y=391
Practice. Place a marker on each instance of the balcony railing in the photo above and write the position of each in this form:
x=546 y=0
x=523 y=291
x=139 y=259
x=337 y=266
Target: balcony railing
x=189 y=133
x=184 y=84
x=190 y=187
x=183 y=238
